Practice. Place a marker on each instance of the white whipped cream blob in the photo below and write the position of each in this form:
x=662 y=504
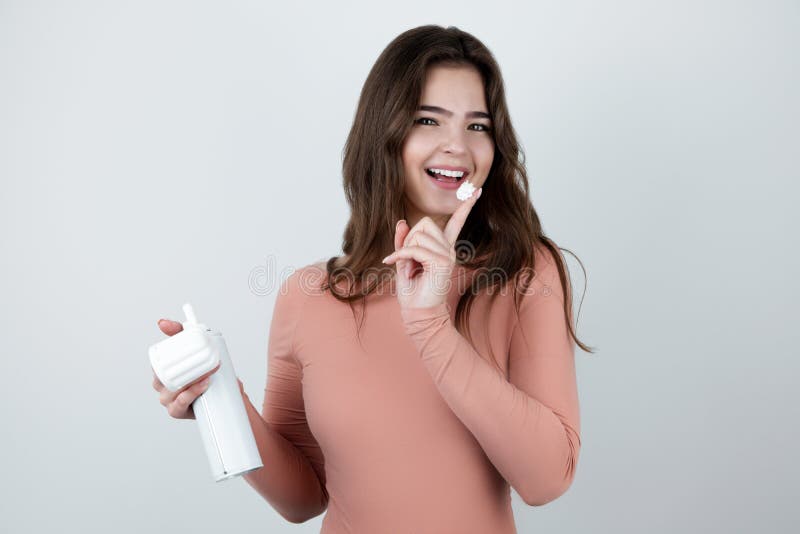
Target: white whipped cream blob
x=465 y=191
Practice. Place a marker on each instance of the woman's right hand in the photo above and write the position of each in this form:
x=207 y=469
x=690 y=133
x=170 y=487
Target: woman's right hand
x=179 y=403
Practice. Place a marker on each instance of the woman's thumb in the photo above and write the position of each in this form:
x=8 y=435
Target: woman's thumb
x=400 y=233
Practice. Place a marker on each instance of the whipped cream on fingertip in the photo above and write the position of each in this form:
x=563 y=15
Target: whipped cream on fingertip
x=465 y=191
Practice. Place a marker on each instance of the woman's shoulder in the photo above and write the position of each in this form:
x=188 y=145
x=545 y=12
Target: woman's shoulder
x=308 y=273
x=310 y=278
x=322 y=264
x=546 y=278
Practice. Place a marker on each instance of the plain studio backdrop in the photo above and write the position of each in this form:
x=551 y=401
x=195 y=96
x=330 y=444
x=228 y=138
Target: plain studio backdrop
x=153 y=153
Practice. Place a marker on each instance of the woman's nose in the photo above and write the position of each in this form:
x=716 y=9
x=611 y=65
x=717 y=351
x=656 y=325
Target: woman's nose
x=454 y=142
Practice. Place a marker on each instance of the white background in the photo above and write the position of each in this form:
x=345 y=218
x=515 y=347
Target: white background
x=157 y=152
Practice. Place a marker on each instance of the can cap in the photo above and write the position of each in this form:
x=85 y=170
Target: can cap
x=184 y=357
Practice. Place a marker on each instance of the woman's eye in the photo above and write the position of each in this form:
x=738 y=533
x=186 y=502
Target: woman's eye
x=482 y=127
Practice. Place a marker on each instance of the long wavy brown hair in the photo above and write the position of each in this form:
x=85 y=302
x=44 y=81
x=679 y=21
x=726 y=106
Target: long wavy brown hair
x=502 y=230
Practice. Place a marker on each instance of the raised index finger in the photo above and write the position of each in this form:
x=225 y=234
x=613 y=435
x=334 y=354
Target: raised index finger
x=459 y=217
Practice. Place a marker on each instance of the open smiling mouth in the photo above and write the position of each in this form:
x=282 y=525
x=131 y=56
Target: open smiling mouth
x=444 y=178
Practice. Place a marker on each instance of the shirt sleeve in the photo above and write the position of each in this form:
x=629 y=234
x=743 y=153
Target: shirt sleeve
x=528 y=425
x=283 y=410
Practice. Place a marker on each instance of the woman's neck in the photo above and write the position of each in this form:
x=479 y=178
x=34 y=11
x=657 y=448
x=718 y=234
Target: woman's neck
x=413 y=216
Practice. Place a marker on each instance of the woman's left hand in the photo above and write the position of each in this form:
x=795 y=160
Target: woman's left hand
x=434 y=250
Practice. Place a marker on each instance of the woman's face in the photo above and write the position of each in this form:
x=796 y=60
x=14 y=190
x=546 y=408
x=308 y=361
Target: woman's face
x=445 y=135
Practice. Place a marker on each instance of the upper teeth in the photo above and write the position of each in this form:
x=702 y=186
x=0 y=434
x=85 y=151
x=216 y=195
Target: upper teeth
x=455 y=174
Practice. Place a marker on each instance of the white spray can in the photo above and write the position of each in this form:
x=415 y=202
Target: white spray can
x=220 y=411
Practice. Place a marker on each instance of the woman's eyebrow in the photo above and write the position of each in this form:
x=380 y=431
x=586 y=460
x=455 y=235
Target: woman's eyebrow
x=470 y=114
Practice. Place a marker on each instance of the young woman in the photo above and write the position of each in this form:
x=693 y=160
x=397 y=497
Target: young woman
x=410 y=392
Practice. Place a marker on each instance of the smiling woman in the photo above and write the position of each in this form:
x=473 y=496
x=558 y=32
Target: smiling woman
x=424 y=414
x=448 y=143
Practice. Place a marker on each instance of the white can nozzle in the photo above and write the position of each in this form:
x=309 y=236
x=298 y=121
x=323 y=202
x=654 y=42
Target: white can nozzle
x=191 y=318
x=189 y=312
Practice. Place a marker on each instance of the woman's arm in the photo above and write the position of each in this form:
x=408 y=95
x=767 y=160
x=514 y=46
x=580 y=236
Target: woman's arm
x=528 y=425
x=287 y=481
x=293 y=477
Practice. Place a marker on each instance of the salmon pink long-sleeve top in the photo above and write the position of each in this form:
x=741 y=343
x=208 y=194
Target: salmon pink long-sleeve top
x=412 y=429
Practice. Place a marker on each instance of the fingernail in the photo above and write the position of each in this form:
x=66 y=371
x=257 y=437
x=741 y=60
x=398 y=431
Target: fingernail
x=161 y=321
x=205 y=382
x=386 y=258
x=398 y=223
x=479 y=193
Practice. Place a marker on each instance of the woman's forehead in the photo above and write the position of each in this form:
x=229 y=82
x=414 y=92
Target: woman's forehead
x=458 y=89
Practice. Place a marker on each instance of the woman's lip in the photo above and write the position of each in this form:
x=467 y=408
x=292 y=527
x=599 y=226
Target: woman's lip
x=447 y=185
